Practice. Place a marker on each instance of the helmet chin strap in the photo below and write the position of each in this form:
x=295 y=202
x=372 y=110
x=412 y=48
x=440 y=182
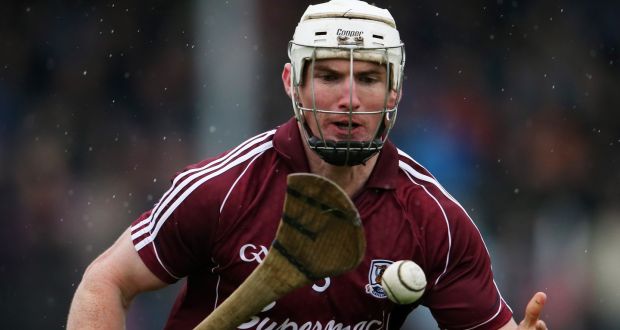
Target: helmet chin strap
x=344 y=153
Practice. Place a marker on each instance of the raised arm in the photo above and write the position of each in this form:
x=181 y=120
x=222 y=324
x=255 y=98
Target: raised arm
x=109 y=285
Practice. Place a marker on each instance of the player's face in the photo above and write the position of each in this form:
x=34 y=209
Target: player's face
x=334 y=91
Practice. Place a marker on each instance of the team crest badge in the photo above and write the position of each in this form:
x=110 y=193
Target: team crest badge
x=377 y=267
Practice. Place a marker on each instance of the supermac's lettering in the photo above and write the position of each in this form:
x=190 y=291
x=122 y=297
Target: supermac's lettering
x=349 y=33
x=267 y=324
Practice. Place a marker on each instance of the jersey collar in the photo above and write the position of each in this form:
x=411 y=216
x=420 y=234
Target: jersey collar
x=288 y=143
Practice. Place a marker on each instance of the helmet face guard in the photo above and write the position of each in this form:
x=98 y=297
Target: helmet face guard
x=355 y=31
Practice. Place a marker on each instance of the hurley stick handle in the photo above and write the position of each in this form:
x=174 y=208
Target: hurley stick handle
x=272 y=279
x=320 y=235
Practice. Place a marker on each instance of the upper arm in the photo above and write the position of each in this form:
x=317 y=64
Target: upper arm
x=463 y=292
x=121 y=266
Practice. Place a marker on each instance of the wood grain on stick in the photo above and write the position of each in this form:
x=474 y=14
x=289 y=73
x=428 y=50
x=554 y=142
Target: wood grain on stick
x=320 y=235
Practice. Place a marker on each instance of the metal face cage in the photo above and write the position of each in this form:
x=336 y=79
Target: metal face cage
x=347 y=152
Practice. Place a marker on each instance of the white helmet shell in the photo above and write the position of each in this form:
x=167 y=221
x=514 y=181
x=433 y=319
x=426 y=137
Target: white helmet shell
x=331 y=29
x=355 y=31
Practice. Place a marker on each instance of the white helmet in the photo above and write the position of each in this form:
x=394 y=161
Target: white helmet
x=352 y=30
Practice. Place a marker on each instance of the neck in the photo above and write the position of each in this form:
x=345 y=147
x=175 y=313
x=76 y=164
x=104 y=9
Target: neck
x=350 y=178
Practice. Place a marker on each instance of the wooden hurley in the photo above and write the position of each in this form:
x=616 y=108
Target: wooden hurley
x=320 y=235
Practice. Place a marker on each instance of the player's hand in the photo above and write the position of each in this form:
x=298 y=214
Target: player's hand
x=532 y=313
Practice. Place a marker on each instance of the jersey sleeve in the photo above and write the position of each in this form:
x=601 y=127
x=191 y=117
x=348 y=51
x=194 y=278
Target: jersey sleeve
x=175 y=236
x=463 y=293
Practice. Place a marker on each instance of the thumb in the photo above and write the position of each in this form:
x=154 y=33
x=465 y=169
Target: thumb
x=534 y=309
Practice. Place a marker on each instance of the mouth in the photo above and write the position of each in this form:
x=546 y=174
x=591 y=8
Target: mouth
x=341 y=129
x=344 y=124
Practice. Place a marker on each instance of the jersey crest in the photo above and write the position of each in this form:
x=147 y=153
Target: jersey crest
x=377 y=267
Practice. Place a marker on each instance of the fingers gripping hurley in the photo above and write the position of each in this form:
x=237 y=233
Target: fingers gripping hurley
x=320 y=235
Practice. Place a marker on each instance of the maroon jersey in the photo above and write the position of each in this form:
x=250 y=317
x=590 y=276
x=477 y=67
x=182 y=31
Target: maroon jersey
x=218 y=219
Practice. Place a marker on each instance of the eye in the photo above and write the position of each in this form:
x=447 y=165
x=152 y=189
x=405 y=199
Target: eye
x=369 y=79
x=327 y=77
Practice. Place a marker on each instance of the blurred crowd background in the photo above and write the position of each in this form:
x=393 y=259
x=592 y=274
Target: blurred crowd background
x=513 y=105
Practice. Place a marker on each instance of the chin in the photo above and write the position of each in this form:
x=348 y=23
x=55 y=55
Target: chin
x=343 y=135
x=347 y=137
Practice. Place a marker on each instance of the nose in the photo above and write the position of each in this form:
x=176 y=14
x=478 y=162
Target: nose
x=348 y=97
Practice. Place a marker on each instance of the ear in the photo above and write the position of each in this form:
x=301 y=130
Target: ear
x=286 y=78
x=393 y=98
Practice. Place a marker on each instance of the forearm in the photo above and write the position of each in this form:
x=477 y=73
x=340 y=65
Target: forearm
x=511 y=325
x=97 y=305
x=108 y=286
